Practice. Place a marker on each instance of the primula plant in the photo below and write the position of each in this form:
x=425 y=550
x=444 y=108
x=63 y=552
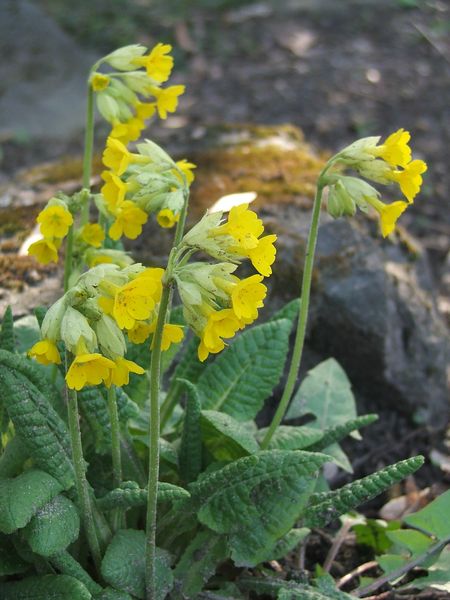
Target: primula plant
x=131 y=465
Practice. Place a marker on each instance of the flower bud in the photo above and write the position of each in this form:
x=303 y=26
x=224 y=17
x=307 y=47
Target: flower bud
x=110 y=338
x=75 y=326
x=108 y=107
x=340 y=202
x=359 y=150
x=51 y=324
x=156 y=153
x=122 y=59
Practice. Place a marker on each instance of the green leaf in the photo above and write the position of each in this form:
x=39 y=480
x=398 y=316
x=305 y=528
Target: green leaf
x=225 y=438
x=190 y=456
x=23 y=496
x=123 y=565
x=373 y=532
x=287 y=544
x=438 y=574
x=433 y=519
x=45 y=587
x=325 y=393
x=10 y=561
x=326 y=506
x=55 y=526
x=287 y=437
x=94 y=408
x=14 y=455
x=198 y=563
x=110 y=594
x=289 y=590
x=339 y=432
x=245 y=374
x=256 y=500
x=43 y=432
x=7 y=341
x=130 y=495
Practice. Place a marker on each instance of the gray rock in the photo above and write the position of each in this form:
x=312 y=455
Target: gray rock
x=43 y=75
x=373 y=309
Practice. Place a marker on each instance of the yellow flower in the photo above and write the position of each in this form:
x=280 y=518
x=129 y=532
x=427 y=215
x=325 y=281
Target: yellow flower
x=89 y=369
x=172 y=334
x=157 y=64
x=116 y=156
x=93 y=234
x=120 y=376
x=106 y=304
x=166 y=218
x=99 y=82
x=129 y=131
x=247 y=296
x=410 y=179
x=145 y=110
x=395 y=150
x=263 y=255
x=54 y=221
x=243 y=226
x=129 y=221
x=167 y=99
x=139 y=332
x=113 y=190
x=45 y=352
x=136 y=301
x=44 y=250
x=221 y=324
x=389 y=213
x=186 y=168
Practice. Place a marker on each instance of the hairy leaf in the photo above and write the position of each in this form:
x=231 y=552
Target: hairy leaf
x=7 y=341
x=225 y=438
x=287 y=437
x=326 y=506
x=55 y=526
x=23 y=496
x=198 y=563
x=14 y=455
x=123 y=565
x=288 y=590
x=287 y=544
x=67 y=565
x=190 y=456
x=244 y=374
x=257 y=499
x=10 y=561
x=94 y=407
x=43 y=432
x=339 y=432
x=45 y=587
x=111 y=594
x=130 y=495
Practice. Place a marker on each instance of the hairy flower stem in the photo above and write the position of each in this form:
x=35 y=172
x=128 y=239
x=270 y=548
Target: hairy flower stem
x=303 y=313
x=153 y=473
x=68 y=258
x=115 y=446
x=154 y=429
x=84 y=499
x=88 y=150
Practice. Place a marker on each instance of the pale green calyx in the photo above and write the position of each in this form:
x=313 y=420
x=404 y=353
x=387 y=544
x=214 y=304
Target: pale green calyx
x=74 y=327
x=110 y=338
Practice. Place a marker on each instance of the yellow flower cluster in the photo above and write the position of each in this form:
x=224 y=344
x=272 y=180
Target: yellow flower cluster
x=216 y=303
x=386 y=163
x=132 y=93
x=89 y=320
x=140 y=183
x=54 y=222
